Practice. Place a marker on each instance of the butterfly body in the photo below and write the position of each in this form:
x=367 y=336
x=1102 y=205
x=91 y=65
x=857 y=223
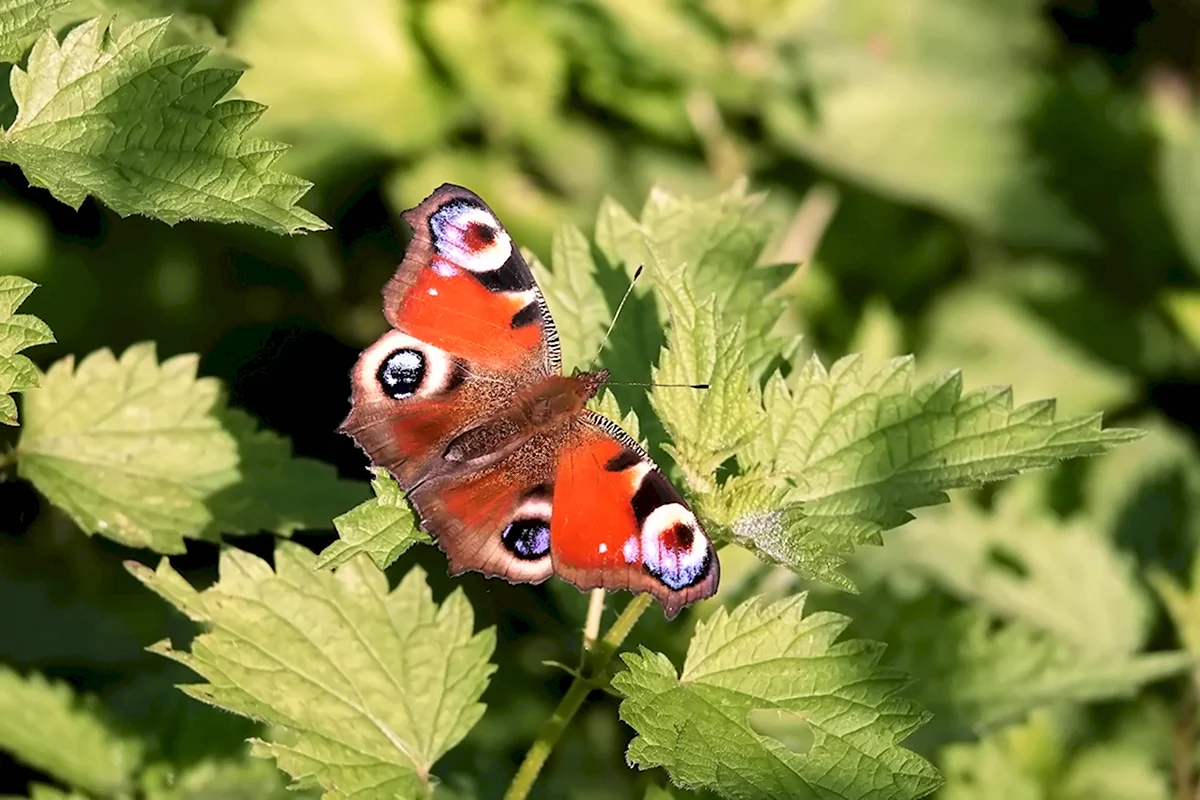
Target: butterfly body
x=465 y=403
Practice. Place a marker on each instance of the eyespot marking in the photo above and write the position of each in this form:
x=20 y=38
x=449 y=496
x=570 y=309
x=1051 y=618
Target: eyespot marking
x=401 y=373
x=527 y=539
x=674 y=549
x=467 y=235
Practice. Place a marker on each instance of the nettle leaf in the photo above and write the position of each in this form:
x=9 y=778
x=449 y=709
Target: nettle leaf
x=707 y=426
x=575 y=299
x=17 y=332
x=366 y=688
x=974 y=671
x=719 y=241
x=383 y=527
x=229 y=779
x=860 y=450
x=765 y=667
x=21 y=21
x=1011 y=561
x=118 y=115
x=44 y=725
x=129 y=448
x=146 y=454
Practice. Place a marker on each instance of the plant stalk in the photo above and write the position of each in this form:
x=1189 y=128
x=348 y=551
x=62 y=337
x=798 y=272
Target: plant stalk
x=595 y=662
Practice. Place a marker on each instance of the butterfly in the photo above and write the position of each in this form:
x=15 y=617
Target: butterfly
x=465 y=403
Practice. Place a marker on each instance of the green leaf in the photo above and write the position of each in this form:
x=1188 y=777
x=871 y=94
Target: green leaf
x=760 y=657
x=277 y=491
x=719 y=241
x=17 y=332
x=45 y=726
x=118 y=115
x=575 y=299
x=1011 y=561
x=383 y=527
x=861 y=450
x=358 y=64
x=1036 y=761
x=366 y=688
x=707 y=426
x=129 y=448
x=147 y=454
x=21 y=21
x=40 y=791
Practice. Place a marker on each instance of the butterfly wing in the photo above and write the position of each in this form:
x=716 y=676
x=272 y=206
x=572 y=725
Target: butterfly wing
x=583 y=502
x=469 y=329
x=618 y=523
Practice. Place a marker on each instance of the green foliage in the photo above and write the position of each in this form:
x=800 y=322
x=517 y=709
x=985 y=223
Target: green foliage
x=20 y=23
x=17 y=332
x=117 y=115
x=698 y=724
x=365 y=697
x=146 y=454
x=383 y=527
x=45 y=726
x=985 y=186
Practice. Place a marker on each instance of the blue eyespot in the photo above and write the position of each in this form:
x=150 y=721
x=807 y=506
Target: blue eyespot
x=527 y=539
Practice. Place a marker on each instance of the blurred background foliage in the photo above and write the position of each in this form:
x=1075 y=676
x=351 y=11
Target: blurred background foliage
x=1007 y=186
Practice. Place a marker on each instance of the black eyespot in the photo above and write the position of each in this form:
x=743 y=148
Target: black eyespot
x=527 y=539
x=401 y=373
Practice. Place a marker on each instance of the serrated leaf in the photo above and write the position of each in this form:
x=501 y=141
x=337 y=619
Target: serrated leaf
x=1035 y=761
x=21 y=21
x=1012 y=562
x=147 y=454
x=17 y=332
x=383 y=527
x=575 y=299
x=366 y=688
x=718 y=243
x=46 y=726
x=118 y=115
x=697 y=725
x=276 y=491
x=862 y=449
x=607 y=405
x=129 y=448
x=707 y=426
x=357 y=63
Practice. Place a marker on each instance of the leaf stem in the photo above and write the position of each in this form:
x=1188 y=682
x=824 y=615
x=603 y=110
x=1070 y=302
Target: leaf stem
x=595 y=662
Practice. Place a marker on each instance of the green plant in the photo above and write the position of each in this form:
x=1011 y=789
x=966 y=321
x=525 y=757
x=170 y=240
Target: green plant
x=1019 y=609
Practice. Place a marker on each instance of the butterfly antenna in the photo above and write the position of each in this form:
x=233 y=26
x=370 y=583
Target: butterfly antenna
x=637 y=274
x=669 y=385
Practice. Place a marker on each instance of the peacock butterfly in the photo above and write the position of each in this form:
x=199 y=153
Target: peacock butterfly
x=464 y=402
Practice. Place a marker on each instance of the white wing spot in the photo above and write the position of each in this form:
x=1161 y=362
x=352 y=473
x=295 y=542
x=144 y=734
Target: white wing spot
x=603 y=547
x=432 y=292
